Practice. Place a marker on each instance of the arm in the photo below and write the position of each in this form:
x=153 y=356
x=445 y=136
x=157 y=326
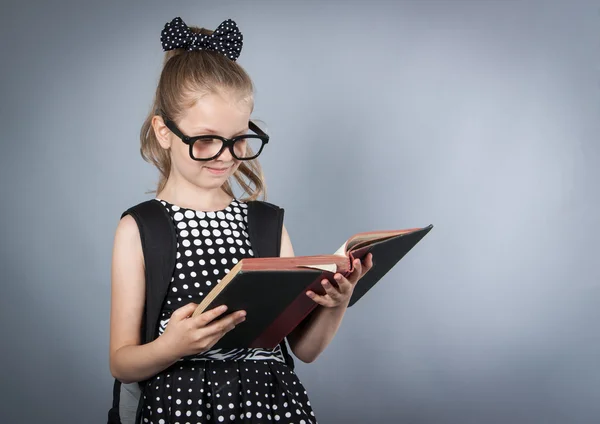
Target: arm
x=314 y=334
x=130 y=361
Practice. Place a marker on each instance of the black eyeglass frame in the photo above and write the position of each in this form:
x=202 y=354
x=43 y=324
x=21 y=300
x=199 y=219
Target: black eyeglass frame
x=228 y=143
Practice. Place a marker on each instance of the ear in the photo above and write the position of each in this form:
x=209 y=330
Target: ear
x=161 y=132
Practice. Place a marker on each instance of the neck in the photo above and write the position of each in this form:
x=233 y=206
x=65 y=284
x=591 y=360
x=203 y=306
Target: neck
x=187 y=195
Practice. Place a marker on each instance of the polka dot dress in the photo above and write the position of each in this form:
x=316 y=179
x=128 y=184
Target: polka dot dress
x=219 y=386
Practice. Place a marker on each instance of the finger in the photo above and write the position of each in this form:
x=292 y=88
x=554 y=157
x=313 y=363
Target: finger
x=225 y=324
x=184 y=311
x=343 y=284
x=333 y=292
x=368 y=264
x=206 y=317
x=324 y=300
x=356 y=272
x=217 y=330
x=357 y=268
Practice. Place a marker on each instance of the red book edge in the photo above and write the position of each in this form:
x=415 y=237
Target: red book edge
x=293 y=315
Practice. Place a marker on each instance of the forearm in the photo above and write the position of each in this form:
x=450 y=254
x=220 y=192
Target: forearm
x=136 y=363
x=311 y=338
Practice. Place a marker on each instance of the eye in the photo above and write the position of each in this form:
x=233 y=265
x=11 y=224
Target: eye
x=209 y=141
x=206 y=148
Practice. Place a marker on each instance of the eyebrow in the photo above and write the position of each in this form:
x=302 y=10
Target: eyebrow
x=209 y=131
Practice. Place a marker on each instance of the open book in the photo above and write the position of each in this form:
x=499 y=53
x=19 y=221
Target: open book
x=273 y=290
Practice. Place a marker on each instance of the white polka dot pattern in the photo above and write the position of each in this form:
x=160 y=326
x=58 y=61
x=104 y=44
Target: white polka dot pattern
x=221 y=385
x=226 y=39
x=204 y=257
x=225 y=392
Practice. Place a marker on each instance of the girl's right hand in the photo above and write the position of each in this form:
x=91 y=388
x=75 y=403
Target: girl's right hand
x=186 y=335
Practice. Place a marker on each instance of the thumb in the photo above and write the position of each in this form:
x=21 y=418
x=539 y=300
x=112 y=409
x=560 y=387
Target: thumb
x=184 y=311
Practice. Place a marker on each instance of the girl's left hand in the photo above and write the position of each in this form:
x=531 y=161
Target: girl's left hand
x=340 y=295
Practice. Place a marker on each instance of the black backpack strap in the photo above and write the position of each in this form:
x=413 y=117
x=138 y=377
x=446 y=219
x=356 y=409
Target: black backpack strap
x=113 y=413
x=265 y=225
x=159 y=243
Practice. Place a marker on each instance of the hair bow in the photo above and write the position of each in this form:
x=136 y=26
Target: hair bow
x=226 y=39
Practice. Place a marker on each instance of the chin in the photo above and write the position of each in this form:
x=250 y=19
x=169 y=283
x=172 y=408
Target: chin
x=211 y=185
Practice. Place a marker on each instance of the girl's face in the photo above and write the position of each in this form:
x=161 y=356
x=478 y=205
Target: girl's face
x=213 y=114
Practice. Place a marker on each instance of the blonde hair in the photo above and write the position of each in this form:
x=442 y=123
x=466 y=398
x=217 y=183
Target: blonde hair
x=185 y=76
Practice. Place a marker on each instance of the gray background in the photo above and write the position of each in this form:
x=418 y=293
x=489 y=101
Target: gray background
x=481 y=117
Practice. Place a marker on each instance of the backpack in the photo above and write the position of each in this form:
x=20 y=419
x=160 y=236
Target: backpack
x=159 y=241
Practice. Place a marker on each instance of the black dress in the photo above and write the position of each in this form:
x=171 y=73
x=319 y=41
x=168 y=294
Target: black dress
x=219 y=386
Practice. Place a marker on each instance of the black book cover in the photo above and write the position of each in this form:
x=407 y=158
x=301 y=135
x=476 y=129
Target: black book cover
x=386 y=255
x=264 y=295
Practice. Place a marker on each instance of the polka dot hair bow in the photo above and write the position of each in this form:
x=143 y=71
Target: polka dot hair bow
x=226 y=39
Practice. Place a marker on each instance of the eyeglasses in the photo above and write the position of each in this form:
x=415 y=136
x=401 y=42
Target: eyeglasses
x=209 y=147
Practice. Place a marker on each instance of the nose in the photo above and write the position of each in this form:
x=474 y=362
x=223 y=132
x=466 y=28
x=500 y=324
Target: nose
x=226 y=155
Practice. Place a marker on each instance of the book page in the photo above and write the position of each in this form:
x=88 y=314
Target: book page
x=361 y=240
x=342 y=250
x=360 y=243
x=323 y=267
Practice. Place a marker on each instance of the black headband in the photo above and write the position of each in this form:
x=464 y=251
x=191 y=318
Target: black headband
x=226 y=39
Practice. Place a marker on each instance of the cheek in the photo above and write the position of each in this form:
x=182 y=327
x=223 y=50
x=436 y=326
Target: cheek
x=180 y=156
x=179 y=152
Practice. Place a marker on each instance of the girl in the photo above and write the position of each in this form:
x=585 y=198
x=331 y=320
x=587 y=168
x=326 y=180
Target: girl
x=202 y=91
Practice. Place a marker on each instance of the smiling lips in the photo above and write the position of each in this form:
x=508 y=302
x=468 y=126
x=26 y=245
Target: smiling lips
x=217 y=171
